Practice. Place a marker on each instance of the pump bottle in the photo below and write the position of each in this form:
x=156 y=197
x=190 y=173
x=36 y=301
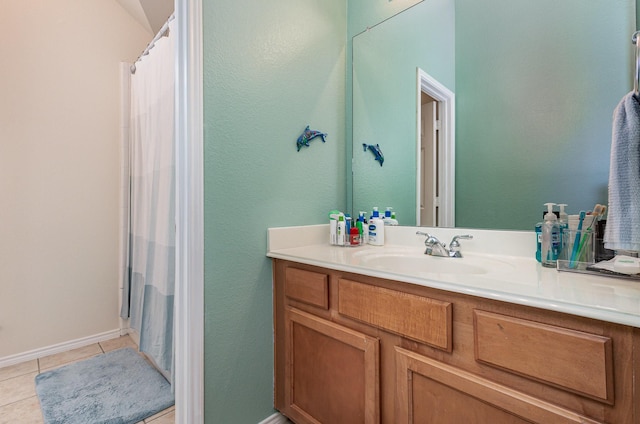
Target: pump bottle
x=550 y=238
x=376 y=228
x=389 y=217
x=563 y=219
x=563 y=223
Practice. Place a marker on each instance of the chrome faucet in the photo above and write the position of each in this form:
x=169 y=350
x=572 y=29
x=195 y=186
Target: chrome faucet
x=437 y=248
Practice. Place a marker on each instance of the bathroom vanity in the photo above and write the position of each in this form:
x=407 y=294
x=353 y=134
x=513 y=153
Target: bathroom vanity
x=466 y=344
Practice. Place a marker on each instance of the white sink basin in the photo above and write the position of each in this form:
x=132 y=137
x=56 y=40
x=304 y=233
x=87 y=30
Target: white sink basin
x=417 y=263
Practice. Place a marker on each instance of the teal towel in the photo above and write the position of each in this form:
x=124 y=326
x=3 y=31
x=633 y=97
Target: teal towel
x=623 y=220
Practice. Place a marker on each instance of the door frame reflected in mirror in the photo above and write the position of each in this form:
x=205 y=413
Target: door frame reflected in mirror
x=446 y=173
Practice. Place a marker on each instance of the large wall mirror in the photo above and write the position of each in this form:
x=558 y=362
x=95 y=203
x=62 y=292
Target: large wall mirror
x=535 y=84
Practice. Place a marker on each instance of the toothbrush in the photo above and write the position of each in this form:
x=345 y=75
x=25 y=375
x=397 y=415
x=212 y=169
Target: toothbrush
x=576 y=242
x=598 y=211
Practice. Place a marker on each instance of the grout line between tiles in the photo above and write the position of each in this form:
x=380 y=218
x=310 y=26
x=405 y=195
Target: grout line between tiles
x=16 y=401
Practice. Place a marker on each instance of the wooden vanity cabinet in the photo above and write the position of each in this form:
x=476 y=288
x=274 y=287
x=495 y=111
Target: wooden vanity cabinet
x=356 y=349
x=328 y=373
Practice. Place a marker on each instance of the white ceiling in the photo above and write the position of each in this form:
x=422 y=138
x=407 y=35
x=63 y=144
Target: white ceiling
x=151 y=14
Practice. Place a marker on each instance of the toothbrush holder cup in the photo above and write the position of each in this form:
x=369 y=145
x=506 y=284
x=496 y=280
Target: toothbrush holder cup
x=578 y=247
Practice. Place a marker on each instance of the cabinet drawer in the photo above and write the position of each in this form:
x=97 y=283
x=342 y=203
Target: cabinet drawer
x=416 y=317
x=577 y=361
x=307 y=287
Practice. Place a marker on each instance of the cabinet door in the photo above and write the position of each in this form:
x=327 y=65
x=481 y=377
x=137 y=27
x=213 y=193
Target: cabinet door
x=429 y=391
x=332 y=372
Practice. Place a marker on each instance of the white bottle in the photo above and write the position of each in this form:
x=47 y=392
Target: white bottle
x=376 y=229
x=389 y=217
x=333 y=230
x=342 y=229
x=550 y=238
x=365 y=233
x=564 y=218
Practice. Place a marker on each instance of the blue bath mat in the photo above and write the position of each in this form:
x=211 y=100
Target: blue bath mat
x=117 y=387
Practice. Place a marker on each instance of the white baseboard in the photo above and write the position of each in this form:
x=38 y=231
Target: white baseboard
x=57 y=348
x=276 y=418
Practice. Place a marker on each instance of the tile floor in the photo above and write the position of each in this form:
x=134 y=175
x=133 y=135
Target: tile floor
x=18 y=401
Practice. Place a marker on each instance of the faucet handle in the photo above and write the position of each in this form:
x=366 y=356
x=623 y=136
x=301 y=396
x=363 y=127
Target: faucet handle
x=430 y=239
x=454 y=246
x=454 y=242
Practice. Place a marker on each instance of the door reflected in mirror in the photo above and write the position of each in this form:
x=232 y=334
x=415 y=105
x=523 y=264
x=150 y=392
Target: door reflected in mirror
x=435 y=153
x=428 y=185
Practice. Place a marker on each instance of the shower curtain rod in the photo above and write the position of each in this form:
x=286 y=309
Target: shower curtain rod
x=164 y=32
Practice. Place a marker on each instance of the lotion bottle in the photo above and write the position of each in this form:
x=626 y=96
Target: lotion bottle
x=563 y=223
x=376 y=229
x=390 y=217
x=550 y=238
x=563 y=220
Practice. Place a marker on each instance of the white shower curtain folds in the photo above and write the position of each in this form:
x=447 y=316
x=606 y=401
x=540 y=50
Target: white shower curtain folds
x=152 y=242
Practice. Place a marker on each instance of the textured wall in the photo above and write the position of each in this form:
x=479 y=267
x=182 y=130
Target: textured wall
x=59 y=168
x=536 y=86
x=367 y=13
x=384 y=100
x=271 y=68
x=362 y=14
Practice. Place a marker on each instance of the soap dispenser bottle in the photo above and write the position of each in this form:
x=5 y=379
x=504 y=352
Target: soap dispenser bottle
x=376 y=228
x=550 y=238
x=563 y=223
x=563 y=214
x=563 y=219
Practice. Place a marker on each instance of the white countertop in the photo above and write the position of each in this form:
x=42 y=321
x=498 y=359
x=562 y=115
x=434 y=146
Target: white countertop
x=522 y=280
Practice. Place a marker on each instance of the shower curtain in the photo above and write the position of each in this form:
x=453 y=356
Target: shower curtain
x=149 y=292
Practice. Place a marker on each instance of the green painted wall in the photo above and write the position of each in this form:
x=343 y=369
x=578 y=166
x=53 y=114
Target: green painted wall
x=384 y=100
x=363 y=14
x=270 y=68
x=536 y=86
